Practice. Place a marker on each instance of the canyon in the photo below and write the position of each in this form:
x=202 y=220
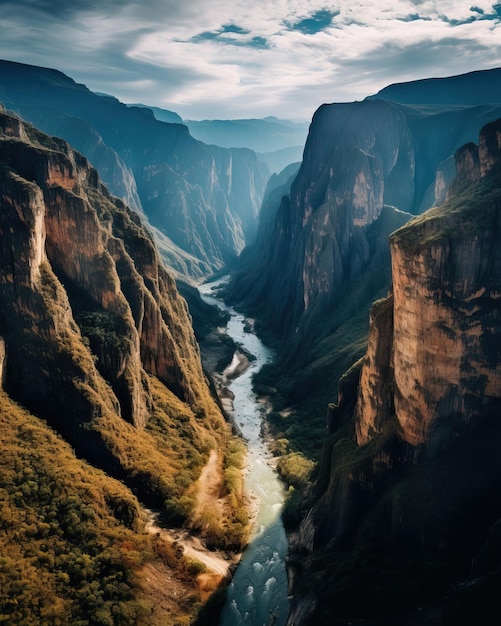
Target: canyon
x=371 y=267
x=102 y=373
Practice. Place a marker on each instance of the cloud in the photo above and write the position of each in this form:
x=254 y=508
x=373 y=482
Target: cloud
x=232 y=58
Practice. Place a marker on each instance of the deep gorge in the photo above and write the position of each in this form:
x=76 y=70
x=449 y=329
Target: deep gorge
x=372 y=269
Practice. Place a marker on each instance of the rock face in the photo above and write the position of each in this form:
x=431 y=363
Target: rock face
x=358 y=157
x=354 y=156
x=423 y=405
x=446 y=293
x=321 y=255
x=203 y=200
x=88 y=313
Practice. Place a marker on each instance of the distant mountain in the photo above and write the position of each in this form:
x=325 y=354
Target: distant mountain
x=203 y=200
x=466 y=89
x=162 y=115
x=260 y=135
x=280 y=159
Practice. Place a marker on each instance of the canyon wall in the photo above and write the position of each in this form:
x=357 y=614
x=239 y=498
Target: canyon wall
x=90 y=319
x=409 y=479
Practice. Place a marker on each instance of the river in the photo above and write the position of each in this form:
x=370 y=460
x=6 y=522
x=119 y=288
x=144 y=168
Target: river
x=257 y=595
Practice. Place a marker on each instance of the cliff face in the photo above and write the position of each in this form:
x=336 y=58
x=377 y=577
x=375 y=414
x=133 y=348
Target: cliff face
x=203 y=200
x=446 y=291
x=354 y=156
x=321 y=256
x=423 y=406
x=358 y=157
x=89 y=315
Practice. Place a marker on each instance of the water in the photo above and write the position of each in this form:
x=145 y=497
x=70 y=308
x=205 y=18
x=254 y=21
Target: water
x=257 y=595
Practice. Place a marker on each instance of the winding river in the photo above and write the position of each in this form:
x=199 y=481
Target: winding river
x=257 y=594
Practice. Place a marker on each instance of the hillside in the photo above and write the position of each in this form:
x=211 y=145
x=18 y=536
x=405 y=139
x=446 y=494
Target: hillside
x=105 y=406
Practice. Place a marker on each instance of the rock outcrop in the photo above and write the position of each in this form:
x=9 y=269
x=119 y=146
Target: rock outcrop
x=446 y=292
x=411 y=456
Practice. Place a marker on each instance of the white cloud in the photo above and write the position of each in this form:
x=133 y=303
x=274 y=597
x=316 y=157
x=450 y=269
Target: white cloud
x=233 y=58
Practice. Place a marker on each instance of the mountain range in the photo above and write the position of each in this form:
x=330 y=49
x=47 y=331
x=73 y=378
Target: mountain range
x=201 y=201
x=372 y=266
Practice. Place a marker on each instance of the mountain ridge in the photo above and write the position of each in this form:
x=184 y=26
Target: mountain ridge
x=187 y=190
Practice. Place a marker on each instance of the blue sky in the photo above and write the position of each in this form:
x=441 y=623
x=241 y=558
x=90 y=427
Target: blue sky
x=223 y=59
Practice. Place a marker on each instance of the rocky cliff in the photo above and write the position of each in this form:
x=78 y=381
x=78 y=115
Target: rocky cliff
x=321 y=256
x=319 y=235
x=409 y=482
x=203 y=200
x=95 y=332
x=101 y=381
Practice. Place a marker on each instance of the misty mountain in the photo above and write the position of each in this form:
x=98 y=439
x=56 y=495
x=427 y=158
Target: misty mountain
x=162 y=115
x=261 y=135
x=192 y=194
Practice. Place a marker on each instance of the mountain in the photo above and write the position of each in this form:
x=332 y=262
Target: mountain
x=321 y=256
x=189 y=192
x=407 y=508
x=261 y=135
x=276 y=142
x=162 y=115
x=101 y=386
x=473 y=88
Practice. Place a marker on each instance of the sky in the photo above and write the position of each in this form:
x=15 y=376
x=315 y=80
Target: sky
x=230 y=59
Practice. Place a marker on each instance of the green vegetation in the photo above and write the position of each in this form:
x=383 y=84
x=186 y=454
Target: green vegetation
x=70 y=546
x=470 y=210
x=73 y=549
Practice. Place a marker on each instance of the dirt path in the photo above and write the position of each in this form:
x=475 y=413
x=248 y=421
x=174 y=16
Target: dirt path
x=208 y=489
x=208 y=486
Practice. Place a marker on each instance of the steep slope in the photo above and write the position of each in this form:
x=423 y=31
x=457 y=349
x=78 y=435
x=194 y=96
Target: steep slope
x=410 y=477
x=319 y=232
x=96 y=340
x=188 y=191
x=321 y=256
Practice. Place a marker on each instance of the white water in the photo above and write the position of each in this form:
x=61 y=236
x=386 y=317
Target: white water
x=257 y=595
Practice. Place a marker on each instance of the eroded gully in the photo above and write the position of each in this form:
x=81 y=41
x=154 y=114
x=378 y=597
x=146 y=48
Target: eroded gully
x=257 y=595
